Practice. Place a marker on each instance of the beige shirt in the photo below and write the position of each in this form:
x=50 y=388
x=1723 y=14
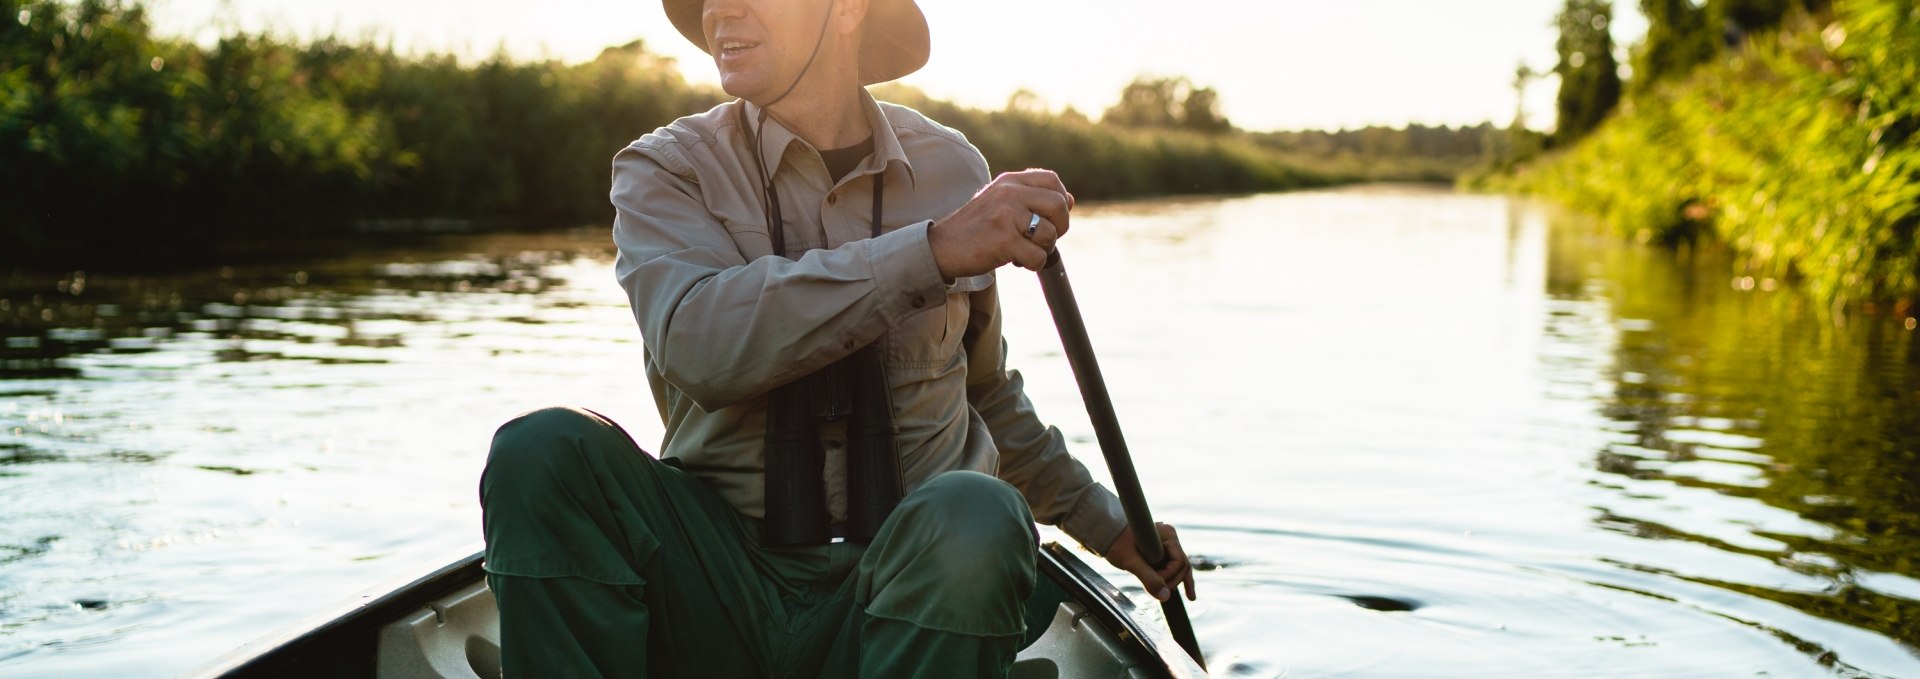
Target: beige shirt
x=724 y=321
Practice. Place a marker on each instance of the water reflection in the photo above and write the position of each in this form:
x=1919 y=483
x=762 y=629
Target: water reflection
x=131 y=328
x=1413 y=434
x=1746 y=391
x=218 y=437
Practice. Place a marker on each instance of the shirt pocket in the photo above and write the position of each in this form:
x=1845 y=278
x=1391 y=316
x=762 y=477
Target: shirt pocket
x=745 y=223
x=931 y=338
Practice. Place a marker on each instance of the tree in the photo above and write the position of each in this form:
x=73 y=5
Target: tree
x=1146 y=102
x=1678 y=38
x=1026 y=101
x=1518 y=142
x=1746 y=16
x=1168 y=103
x=1523 y=75
x=1201 y=112
x=1589 y=75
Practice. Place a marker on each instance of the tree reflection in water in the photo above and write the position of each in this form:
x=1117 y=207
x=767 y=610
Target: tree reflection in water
x=1743 y=388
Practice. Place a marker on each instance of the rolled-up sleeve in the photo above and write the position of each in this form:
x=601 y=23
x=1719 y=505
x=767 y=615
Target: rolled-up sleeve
x=723 y=329
x=1033 y=456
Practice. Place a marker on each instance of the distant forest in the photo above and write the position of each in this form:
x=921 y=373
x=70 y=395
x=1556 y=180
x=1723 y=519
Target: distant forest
x=1412 y=153
x=120 y=147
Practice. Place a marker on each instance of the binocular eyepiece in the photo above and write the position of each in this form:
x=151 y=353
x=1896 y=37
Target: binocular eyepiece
x=854 y=389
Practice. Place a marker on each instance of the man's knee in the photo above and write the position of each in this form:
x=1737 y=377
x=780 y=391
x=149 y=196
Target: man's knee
x=961 y=490
x=546 y=447
x=535 y=432
x=958 y=557
x=972 y=513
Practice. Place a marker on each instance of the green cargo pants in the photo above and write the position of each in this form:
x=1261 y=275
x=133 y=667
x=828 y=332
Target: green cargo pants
x=607 y=562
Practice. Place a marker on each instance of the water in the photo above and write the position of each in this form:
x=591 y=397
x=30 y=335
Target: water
x=1410 y=433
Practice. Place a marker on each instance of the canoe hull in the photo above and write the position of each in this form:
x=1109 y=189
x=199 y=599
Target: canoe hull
x=445 y=624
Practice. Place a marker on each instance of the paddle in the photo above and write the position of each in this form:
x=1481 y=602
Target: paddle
x=1106 y=426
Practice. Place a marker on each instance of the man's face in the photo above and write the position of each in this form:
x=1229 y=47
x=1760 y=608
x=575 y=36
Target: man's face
x=761 y=45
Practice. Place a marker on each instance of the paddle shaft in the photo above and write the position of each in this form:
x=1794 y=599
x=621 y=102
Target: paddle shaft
x=1106 y=426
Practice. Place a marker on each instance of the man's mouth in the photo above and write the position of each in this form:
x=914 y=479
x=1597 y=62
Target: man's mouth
x=733 y=47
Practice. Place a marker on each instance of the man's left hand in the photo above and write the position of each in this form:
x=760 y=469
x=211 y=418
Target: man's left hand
x=1125 y=555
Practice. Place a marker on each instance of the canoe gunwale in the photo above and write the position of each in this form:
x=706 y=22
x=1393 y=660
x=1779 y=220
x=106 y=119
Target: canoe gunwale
x=1112 y=610
x=345 y=625
x=343 y=640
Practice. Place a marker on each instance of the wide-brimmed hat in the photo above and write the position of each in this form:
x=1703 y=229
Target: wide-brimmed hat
x=893 y=42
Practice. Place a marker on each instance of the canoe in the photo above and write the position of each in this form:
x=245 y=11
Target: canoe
x=445 y=624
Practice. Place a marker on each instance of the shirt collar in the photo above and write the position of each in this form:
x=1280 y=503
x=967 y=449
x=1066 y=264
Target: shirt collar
x=776 y=140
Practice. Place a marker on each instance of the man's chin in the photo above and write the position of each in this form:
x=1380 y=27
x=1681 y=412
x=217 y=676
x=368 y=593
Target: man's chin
x=742 y=86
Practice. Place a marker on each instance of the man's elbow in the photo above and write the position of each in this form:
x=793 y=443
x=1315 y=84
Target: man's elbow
x=707 y=382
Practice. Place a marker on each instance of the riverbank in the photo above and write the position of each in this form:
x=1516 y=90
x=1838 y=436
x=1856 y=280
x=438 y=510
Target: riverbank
x=125 y=149
x=1798 y=151
x=129 y=150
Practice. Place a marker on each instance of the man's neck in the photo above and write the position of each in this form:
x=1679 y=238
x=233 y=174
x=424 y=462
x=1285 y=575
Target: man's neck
x=825 y=118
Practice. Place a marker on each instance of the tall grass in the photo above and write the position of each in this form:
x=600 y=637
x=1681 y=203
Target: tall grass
x=123 y=148
x=1799 y=151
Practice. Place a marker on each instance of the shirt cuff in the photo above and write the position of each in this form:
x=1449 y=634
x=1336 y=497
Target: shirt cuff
x=904 y=270
x=1096 y=520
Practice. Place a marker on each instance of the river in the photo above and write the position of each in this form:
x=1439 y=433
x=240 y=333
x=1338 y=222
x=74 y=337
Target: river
x=1410 y=433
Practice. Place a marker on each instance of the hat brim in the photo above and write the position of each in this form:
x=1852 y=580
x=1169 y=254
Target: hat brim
x=893 y=41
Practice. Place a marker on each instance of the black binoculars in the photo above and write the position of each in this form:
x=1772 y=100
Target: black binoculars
x=854 y=389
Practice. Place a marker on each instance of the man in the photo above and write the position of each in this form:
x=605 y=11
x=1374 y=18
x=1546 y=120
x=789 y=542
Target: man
x=803 y=260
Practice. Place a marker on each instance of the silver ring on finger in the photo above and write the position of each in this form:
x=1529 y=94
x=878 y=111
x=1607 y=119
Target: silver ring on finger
x=1033 y=225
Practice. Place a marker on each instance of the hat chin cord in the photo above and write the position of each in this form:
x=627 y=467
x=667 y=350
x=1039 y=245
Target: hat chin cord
x=771 y=209
x=818 y=40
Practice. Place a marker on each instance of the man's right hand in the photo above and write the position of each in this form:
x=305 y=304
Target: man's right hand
x=991 y=229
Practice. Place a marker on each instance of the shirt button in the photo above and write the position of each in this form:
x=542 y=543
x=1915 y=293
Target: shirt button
x=833 y=198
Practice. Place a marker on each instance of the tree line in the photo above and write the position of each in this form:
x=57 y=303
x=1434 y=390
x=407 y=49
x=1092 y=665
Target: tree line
x=120 y=147
x=1413 y=152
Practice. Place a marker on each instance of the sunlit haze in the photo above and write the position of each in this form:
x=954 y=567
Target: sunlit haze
x=1277 y=64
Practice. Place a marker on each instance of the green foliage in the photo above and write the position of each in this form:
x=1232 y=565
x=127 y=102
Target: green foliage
x=1799 y=151
x=1682 y=34
x=1677 y=40
x=519 y=143
x=1107 y=161
x=1376 y=153
x=1748 y=16
x=1589 y=75
x=118 y=148
x=1171 y=103
x=109 y=133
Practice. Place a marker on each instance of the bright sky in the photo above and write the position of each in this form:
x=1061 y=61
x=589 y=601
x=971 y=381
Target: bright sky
x=1278 y=64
